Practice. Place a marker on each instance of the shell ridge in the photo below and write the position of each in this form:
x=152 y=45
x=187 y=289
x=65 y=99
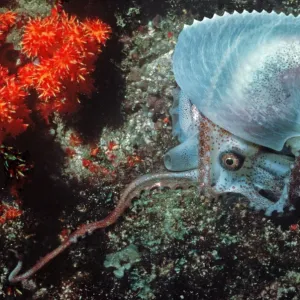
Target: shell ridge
x=227 y=64
x=232 y=47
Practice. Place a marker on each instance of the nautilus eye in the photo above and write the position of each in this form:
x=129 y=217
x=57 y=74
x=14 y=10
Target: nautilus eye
x=231 y=161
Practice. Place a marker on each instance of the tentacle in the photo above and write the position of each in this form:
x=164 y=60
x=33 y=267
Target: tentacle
x=294 y=188
x=146 y=182
x=291 y=182
x=184 y=156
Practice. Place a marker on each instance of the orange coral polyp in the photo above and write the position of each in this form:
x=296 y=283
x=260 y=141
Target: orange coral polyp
x=39 y=38
x=64 y=60
x=26 y=75
x=97 y=29
x=7 y=20
x=63 y=51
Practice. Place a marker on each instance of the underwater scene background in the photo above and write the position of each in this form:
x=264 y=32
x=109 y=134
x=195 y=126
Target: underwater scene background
x=79 y=123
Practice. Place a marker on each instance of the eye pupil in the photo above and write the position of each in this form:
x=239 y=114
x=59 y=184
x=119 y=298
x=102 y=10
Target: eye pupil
x=229 y=161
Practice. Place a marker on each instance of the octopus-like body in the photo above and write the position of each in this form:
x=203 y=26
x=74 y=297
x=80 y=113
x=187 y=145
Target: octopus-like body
x=236 y=114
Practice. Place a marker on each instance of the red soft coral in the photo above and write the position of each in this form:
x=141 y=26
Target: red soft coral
x=97 y=30
x=66 y=50
x=7 y=20
x=62 y=53
x=40 y=37
x=14 y=114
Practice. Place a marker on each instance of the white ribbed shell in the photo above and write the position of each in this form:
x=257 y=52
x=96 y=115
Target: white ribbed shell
x=242 y=71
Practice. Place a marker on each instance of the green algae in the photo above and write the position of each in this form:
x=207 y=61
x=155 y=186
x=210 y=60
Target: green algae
x=122 y=260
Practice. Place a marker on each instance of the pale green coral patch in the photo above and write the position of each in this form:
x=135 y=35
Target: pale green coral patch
x=122 y=260
x=33 y=7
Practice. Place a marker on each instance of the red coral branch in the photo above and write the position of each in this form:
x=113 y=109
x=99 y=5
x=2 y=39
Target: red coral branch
x=14 y=114
x=62 y=52
x=7 y=21
x=8 y=213
x=66 y=50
